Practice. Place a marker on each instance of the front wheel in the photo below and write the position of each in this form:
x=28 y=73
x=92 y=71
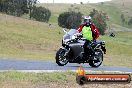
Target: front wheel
x=98 y=59
x=61 y=59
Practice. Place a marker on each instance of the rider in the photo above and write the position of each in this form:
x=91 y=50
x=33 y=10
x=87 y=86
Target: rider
x=89 y=31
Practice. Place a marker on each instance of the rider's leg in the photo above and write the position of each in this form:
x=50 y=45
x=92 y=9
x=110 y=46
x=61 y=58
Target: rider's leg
x=86 y=47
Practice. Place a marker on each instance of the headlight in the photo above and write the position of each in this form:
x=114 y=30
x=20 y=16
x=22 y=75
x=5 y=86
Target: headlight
x=65 y=41
x=73 y=37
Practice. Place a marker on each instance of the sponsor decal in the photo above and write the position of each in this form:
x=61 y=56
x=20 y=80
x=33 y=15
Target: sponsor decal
x=83 y=78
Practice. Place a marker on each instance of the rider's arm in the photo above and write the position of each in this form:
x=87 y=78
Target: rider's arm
x=80 y=28
x=95 y=31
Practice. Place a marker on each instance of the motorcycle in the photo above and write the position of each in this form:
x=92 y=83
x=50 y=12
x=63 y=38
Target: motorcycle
x=72 y=50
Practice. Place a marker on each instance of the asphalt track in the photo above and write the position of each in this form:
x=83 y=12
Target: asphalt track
x=50 y=66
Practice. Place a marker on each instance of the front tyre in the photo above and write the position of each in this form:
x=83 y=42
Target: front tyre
x=61 y=59
x=98 y=59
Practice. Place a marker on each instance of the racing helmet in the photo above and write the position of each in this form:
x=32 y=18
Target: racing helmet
x=87 y=19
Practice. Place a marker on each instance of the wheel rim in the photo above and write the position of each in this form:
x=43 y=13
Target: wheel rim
x=62 y=58
x=98 y=58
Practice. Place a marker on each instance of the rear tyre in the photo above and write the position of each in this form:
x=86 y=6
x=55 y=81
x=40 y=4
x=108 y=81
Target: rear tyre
x=61 y=59
x=98 y=59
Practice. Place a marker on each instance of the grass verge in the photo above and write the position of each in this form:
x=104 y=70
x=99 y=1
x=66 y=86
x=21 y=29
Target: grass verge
x=119 y=51
x=51 y=80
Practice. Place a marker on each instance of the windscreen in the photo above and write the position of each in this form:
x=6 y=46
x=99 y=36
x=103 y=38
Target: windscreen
x=69 y=34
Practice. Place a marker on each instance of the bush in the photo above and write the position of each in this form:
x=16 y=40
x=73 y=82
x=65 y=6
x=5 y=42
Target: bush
x=69 y=19
x=123 y=18
x=99 y=19
x=130 y=21
x=14 y=7
x=41 y=14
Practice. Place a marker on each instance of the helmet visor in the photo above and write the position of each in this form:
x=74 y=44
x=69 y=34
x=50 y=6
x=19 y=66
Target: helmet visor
x=85 y=20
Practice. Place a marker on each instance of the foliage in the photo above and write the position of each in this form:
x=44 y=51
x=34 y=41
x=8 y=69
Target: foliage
x=99 y=19
x=30 y=5
x=41 y=14
x=130 y=21
x=17 y=7
x=69 y=19
x=14 y=7
x=123 y=18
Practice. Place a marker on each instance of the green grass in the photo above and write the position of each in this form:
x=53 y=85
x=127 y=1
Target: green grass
x=36 y=77
x=28 y=39
x=15 y=79
x=112 y=11
x=53 y=19
x=119 y=44
x=119 y=49
x=51 y=80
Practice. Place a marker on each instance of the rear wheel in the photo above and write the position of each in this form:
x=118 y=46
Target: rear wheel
x=98 y=59
x=61 y=59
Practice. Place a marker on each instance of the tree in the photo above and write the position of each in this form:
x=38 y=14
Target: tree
x=14 y=7
x=99 y=19
x=69 y=19
x=31 y=4
x=130 y=21
x=102 y=3
x=41 y=14
x=81 y=3
x=123 y=18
